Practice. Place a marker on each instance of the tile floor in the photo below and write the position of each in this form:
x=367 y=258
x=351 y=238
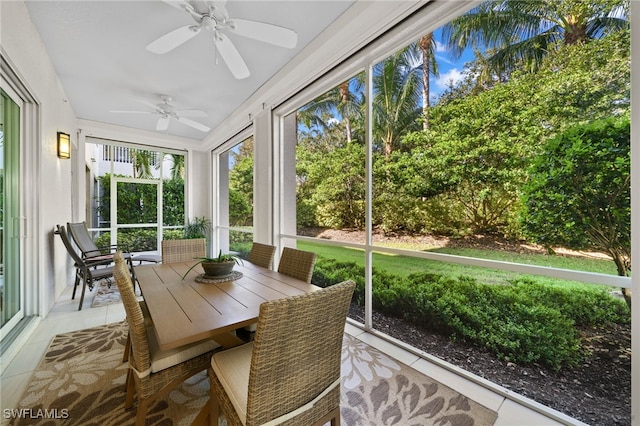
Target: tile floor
x=512 y=409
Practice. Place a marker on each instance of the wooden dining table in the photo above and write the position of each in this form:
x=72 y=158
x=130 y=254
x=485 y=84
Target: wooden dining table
x=184 y=310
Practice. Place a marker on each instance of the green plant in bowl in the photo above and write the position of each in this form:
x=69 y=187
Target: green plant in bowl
x=219 y=266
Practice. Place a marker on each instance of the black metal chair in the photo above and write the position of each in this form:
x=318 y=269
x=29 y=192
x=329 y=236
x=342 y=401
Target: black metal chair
x=88 y=270
x=81 y=237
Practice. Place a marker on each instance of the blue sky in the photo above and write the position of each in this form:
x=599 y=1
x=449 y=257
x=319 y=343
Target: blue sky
x=450 y=68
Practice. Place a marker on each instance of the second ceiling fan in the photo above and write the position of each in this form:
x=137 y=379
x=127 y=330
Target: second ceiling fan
x=216 y=20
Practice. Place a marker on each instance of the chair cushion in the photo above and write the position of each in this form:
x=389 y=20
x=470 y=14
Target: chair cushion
x=165 y=359
x=232 y=369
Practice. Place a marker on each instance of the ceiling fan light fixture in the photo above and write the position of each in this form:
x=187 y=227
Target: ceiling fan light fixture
x=209 y=23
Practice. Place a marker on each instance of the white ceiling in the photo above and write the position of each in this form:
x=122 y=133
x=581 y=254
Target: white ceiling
x=98 y=51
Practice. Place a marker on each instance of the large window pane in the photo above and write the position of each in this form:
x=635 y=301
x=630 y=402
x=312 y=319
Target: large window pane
x=173 y=217
x=236 y=198
x=506 y=169
x=330 y=163
x=240 y=164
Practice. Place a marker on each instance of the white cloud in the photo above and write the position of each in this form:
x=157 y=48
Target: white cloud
x=445 y=59
x=452 y=76
x=441 y=47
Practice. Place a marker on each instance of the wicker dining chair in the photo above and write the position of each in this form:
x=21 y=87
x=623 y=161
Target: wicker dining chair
x=262 y=255
x=297 y=263
x=147 y=322
x=290 y=373
x=183 y=250
x=154 y=373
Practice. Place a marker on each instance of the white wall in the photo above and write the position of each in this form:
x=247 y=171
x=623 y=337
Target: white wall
x=49 y=178
x=57 y=186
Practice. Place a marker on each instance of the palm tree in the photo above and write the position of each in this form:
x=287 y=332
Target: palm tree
x=345 y=99
x=395 y=101
x=427 y=45
x=141 y=161
x=177 y=167
x=522 y=33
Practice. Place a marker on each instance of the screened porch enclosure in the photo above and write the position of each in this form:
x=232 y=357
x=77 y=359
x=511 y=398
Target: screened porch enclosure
x=136 y=196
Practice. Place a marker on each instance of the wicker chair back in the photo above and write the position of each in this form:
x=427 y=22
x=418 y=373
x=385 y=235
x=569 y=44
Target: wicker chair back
x=297 y=263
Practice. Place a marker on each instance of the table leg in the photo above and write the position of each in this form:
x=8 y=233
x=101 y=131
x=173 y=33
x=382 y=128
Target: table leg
x=228 y=340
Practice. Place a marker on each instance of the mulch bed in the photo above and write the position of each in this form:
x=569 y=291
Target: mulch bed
x=598 y=392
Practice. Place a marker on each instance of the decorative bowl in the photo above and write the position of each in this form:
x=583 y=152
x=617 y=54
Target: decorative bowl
x=218 y=269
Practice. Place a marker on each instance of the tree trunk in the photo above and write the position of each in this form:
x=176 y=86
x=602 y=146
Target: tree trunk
x=425 y=48
x=576 y=32
x=622 y=265
x=344 y=98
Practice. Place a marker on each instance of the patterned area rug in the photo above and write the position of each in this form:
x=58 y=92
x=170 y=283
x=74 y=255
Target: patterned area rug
x=80 y=381
x=377 y=390
x=106 y=293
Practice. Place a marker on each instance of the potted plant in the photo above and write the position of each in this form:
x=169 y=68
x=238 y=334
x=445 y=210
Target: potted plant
x=198 y=227
x=219 y=266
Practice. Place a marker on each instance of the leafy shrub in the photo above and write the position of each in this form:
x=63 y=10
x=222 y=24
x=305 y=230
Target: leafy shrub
x=242 y=249
x=523 y=322
x=137 y=204
x=586 y=170
x=138 y=239
x=330 y=271
x=173 y=234
x=587 y=307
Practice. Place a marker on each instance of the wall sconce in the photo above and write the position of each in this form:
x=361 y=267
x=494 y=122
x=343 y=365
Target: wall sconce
x=64 y=145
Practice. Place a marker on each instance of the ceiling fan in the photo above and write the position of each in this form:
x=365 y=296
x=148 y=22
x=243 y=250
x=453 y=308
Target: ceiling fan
x=166 y=111
x=217 y=20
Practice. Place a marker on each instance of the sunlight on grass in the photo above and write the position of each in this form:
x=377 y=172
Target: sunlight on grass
x=588 y=264
x=406 y=265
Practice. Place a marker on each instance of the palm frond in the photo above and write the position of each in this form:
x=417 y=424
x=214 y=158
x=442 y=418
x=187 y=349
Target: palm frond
x=605 y=25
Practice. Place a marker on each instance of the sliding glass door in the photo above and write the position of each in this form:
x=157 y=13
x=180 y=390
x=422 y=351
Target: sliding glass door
x=11 y=293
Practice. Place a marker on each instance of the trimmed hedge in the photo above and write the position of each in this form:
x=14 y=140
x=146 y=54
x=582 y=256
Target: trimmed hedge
x=523 y=322
x=138 y=239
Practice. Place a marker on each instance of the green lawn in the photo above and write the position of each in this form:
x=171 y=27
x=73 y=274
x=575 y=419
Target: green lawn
x=405 y=265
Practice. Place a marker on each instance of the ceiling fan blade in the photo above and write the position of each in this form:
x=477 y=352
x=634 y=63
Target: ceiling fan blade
x=220 y=8
x=147 y=103
x=173 y=39
x=178 y=4
x=231 y=56
x=162 y=124
x=191 y=113
x=269 y=33
x=194 y=124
